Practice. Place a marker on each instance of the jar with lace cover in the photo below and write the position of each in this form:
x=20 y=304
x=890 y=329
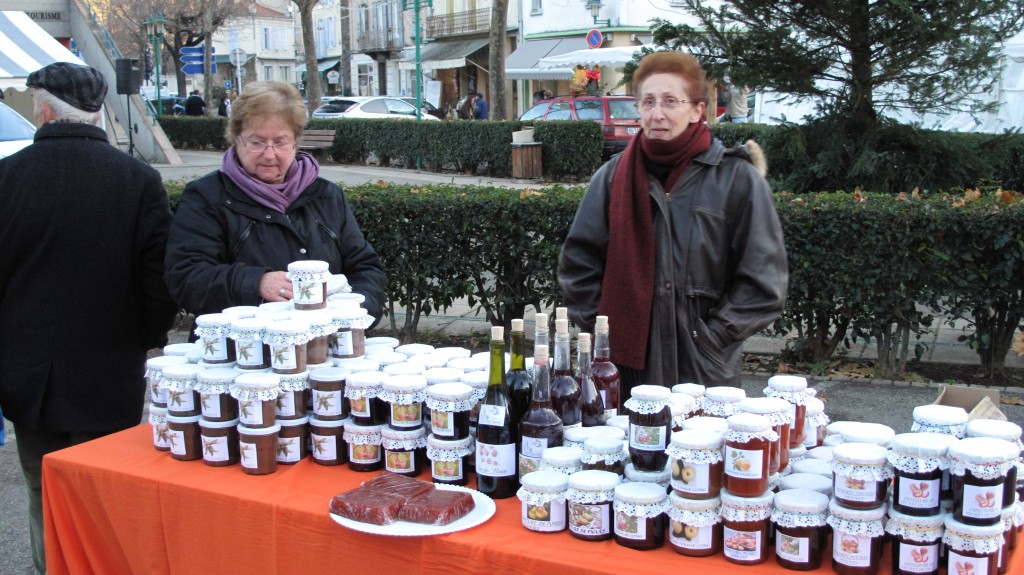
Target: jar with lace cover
x=567 y=460
x=327 y=441
x=589 y=500
x=857 y=537
x=256 y=393
x=363 y=390
x=295 y=396
x=867 y=432
x=650 y=426
x=404 y=450
x=449 y=459
x=681 y=406
x=745 y=527
x=404 y=395
x=943 y=419
x=778 y=413
x=349 y=339
x=450 y=404
x=154 y=369
x=605 y=453
x=213 y=331
x=161 y=433
x=815 y=422
x=918 y=461
x=309 y=283
x=180 y=383
x=694 y=390
x=321 y=330
x=800 y=531
x=695 y=525
x=364 y=446
x=251 y=349
x=861 y=474
x=721 y=401
x=387 y=358
x=576 y=436
x=640 y=518
x=1009 y=538
x=696 y=463
x=807 y=481
x=214 y=389
x=1007 y=431
x=915 y=542
x=815 y=466
x=706 y=423
x=972 y=549
x=357 y=364
x=634 y=475
x=288 y=340
x=793 y=389
x=543 y=501
x=747 y=450
x=978 y=467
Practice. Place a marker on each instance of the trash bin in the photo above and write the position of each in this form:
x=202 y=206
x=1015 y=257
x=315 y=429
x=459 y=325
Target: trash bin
x=526 y=161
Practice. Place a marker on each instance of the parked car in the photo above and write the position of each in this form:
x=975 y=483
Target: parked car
x=428 y=108
x=15 y=131
x=617 y=115
x=368 y=107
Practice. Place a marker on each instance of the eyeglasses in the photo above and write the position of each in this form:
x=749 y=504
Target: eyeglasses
x=648 y=104
x=279 y=146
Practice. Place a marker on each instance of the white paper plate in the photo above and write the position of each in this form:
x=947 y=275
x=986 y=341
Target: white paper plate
x=483 y=511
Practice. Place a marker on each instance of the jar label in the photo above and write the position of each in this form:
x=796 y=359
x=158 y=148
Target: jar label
x=307 y=292
x=918 y=558
x=159 y=394
x=283 y=357
x=286 y=404
x=325 y=447
x=630 y=526
x=851 y=550
x=982 y=502
x=811 y=437
x=590 y=519
x=399 y=461
x=741 y=545
x=250 y=412
x=644 y=438
x=215 y=348
x=215 y=448
x=406 y=415
x=850 y=489
x=967 y=565
x=358 y=406
x=793 y=549
x=547 y=517
x=495 y=460
x=209 y=403
x=689 y=477
x=492 y=415
x=745 y=463
x=363 y=452
x=249 y=353
x=161 y=436
x=176 y=439
x=447 y=470
x=250 y=455
x=341 y=344
x=792 y=416
x=918 y=494
x=288 y=449
x=442 y=423
x=691 y=536
x=181 y=400
x=528 y=464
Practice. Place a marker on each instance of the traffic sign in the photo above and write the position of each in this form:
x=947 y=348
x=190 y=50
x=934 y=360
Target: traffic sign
x=595 y=38
x=227 y=84
x=191 y=54
x=238 y=57
x=197 y=68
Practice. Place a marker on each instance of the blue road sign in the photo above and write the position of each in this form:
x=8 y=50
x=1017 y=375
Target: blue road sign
x=595 y=38
x=198 y=68
x=227 y=84
x=196 y=49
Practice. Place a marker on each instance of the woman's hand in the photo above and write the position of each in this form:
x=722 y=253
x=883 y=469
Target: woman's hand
x=275 y=286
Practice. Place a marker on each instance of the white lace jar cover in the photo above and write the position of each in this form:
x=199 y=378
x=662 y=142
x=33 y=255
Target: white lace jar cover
x=735 y=508
x=682 y=406
x=388 y=358
x=920 y=529
x=696 y=446
x=154 y=369
x=815 y=414
x=603 y=448
x=567 y=460
x=807 y=482
x=866 y=522
x=861 y=461
x=633 y=475
x=181 y=377
x=158 y=417
x=295 y=381
x=648 y=399
x=450 y=397
x=983 y=540
x=985 y=457
x=428 y=360
x=403 y=389
x=704 y=423
x=576 y=436
x=746 y=427
x=592 y=486
x=288 y=332
x=364 y=384
x=721 y=401
x=866 y=432
x=795 y=454
x=467 y=364
x=248 y=330
x=919 y=452
x=694 y=390
x=215 y=380
x=401 y=368
x=478 y=381
x=1018 y=513
x=405 y=439
x=540 y=487
x=411 y=349
x=774 y=408
x=351 y=319
x=444 y=450
x=799 y=508
x=945 y=419
x=792 y=388
x=640 y=499
x=696 y=512
x=357 y=364
x=321 y=323
x=438 y=375
x=213 y=325
x=308 y=278
x=258 y=386
x=362 y=434
x=1005 y=430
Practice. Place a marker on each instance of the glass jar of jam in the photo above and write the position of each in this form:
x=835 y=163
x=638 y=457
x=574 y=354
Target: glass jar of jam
x=363 y=390
x=778 y=413
x=180 y=383
x=694 y=528
x=327 y=441
x=978 y=467
x=212 y=330
x=404 y=395
x=1007 y=431
x=640 y=518
x=747 y=449
x=293 y=440
x=257 y=447
x=154 y=370
x=184 y=437
x=295 y=396
x=861 y=474
x=404 y=450
x=161 y=434
x=943 y=419
x=309 y=283
x=364 y=448
x=327 y=386
x=589 y=501
x=321 y=330
x=800 y=530
x=918 y=461
x=543 y=501
x=605 y=453
x=808 y=482
x=220 y=442
x=650 y=426
x=450 y=404
x=721 y=401
x=449 y=459
x=694 y=390
x=287 y=340
x=696 y=463
x=251 y=349
x=793 y=389
x=661 y=478
x=866 y=432
x=682 y=406
x=815 y=421
x=915 y=542
x=214 y=389
x=972 y=548
x=257 y=393
x=745 y=527
x=564 y=459
x=857 y=537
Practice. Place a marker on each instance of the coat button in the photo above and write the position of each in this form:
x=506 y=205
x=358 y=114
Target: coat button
x=668 y=286
x=268 y=216
x=302 y=251
x=228 y=202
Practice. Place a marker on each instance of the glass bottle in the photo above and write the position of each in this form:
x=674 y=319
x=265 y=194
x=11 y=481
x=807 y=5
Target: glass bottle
x=518 y=378
x=540 y=427
x=565 y=392
x=496 y=432
x=540 y=335
x=605 y=374
x=591 y=404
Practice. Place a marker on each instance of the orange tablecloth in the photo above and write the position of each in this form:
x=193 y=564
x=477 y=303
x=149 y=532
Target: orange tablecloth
x=116 y=505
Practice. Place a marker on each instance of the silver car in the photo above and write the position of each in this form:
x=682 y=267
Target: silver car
x=368 y=107
x=15 y=131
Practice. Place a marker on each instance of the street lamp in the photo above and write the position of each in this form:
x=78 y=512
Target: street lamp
x=595 y=9
x=155 y=33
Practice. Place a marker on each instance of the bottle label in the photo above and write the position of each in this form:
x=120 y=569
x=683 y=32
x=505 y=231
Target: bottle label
x=442 y=423
x=630 y=526
x=181 y=400
x=690 y=477
x=793 y=549
x=250 y=412
x=547 y=517
x=918 y=558
x=210 y=405
x=307 y=292
x=399 y=461
x=325 y=447
x=851 y=550
x=283 y=357
x=363 y=453
x=492 y=415
x=495 y=460
x=215 y=448
x=403 y=415
x=286 y=404
x=982 y=502
x=534 y=446
x=741 y=545
x=215 y=348
x=288 y=449
x=447 y=470
x=918 y=494
x=177 y=441
x=590 y=519
x=691 y=536
x=967 y=565
x=249 y=353
x=851 y=489
x=250 y=458
x=745 y=463
x=359 y=407
x=341 y=344
x=644 y=438
x=161 y=436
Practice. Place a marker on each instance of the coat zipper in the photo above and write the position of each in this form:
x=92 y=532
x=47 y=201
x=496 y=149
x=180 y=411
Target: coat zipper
x=241 y=239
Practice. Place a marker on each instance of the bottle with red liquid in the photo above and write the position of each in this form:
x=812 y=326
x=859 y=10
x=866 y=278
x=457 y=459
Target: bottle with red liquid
x=540 y=427
x=603 y=371
x=565 y=392
x=591 y=405
x=518 y=378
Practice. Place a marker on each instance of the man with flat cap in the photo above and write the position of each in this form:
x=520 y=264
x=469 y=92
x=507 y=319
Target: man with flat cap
x=82 y=298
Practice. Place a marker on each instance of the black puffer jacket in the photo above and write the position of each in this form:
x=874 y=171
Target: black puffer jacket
x=222 y=242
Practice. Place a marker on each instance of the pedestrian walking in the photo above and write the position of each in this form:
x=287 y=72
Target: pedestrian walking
x=195 y=105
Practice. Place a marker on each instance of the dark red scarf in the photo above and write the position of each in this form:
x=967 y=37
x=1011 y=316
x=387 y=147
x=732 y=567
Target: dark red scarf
x=627 y=292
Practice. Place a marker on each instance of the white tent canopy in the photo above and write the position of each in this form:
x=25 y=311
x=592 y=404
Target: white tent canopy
x=25 y=48
x=591 y=57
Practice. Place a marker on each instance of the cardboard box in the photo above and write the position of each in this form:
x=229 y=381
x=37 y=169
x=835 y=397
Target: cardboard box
x=979 y=403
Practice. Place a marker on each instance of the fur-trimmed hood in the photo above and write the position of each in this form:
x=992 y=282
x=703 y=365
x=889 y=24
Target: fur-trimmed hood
x=751 y=151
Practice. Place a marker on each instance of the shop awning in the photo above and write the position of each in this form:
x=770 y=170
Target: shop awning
x=321 y=66
x=442 y=54
x=25 y=47
x=522 y=63
x=591 y=57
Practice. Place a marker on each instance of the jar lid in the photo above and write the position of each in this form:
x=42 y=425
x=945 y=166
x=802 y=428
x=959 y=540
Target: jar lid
x=603 y=444
x=835 y=508
x=451 y=444
x=386 y=356
x=428 y=360
x=293 y=422
x=955 y=527
x=271 y=430
x=452 y=352
x=764 y=405
x=345 y=311
x=748 y=422
x=403 y=368
x=356 y=298
x=288 y=327
x=807 y=482
x=161 y=361
x=451 y=391
x=357 y=364
x=365 y=379
x=475 y=379
x=316 y=421
x=203 y=422
x=182 y=371
x=277 y=306
x=1005 y=430
x=249 y=324
x=318 y=320
x=837 y=427
x=176 y=349
x=213 y=320
x=661 y=478
x=801 y=501
x=762 y=501
x=313 y=367
x=703 y=422
x=685 y=504
x=921 y=444
x=822 y=452
x=814 y=466
x=933 y=414
x=355 y=428
x=608 y=431
x=650 y=393
x=290 y=379
x=217 y=375
x=468 y=363
x=694 y=390
x=578 y=435
x=724 y=394
x=787 y=383
x=621 y=422
x=308 y=266
x=545 y=481
x=593 y=480
x=798 y=452
x=329 y=374
x=405 y=383
x=241 y=311
x=402 y=434
x=864 y=432
x=814 y=406
x=859 y=454
x=437 y=375
x=681 y=404
x=639 y=493
x=379 y=340
x=257 y=380
x=191 y=419
x=697 y=439
x=562 y=456
x=411 y=349
x=976 y=450
x=915 y=522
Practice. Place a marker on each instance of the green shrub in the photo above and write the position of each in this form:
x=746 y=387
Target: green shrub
x=195 y=132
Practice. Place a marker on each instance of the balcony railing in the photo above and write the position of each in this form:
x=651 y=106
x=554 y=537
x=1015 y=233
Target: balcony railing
x=456 y=23
x=378 y=40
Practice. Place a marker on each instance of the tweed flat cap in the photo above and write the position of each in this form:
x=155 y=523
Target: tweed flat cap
x=81 y=86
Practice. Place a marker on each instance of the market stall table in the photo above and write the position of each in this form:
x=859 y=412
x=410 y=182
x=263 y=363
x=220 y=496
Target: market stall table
x=116 y=505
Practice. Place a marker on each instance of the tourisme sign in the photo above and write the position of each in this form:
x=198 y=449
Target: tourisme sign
x=192 y=57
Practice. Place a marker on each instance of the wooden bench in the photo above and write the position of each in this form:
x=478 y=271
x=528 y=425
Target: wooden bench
x=317 y=141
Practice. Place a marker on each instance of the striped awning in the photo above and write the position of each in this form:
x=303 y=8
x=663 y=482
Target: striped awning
x=25 y=48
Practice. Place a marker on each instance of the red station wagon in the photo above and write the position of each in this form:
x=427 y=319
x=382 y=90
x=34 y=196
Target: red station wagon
x=617 y=115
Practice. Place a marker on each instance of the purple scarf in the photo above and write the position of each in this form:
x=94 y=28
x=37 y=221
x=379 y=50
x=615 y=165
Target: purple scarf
x=303 y=171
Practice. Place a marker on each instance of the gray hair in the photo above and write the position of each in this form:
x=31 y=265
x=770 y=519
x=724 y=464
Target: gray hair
x=61 y=109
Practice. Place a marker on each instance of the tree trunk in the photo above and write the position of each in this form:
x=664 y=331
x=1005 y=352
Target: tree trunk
x=496 y=60
x=862 y=106
x=309 y=46
x=997 y=325
x=208 y=7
